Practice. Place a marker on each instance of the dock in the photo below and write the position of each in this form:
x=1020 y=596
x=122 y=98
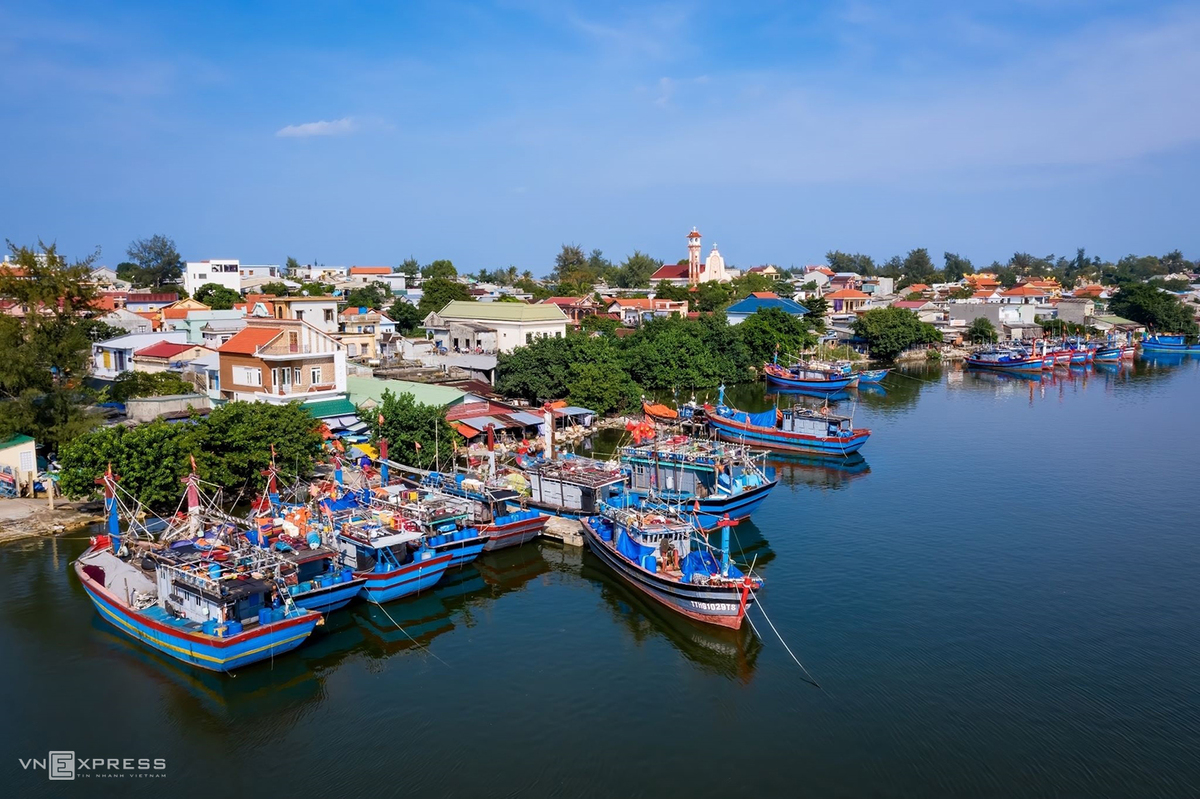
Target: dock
x=567 y=531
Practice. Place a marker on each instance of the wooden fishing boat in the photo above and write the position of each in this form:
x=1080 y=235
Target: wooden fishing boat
x=659 y=412
x=807 y=379
x=659 y=554
x=716 y=480
x=1164 y=342
x=795 y=429
x=1005 y=359
x=872 y=375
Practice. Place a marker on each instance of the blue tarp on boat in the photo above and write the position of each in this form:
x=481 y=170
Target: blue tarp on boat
x=345 y=502
x=701 y=562
x=632 y=549
x=761 y=419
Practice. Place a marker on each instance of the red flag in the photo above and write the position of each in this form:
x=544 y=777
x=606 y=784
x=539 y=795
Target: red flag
x=193 y=459
x=381 y=420
x=417 y=444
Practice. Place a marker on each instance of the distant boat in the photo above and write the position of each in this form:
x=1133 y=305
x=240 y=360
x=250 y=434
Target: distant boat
x=661 y=555
x=808 y=379
x=872 y=375
x=796 y=429
x=1161 y=342
x=1005 y=359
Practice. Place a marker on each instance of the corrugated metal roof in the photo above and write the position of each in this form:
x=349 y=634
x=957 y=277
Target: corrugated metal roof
x=457 y=310
x=525 y=418
x=362 y=389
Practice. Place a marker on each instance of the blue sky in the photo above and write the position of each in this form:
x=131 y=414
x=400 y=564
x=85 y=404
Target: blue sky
x=492 y=133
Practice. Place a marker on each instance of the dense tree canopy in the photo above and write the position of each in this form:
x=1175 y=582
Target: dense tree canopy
x=46 y=351
x=158 y=262
x=372 y=295
x=149 y=458
x=438 y=291
x=890 y=331
x=955 y=266
x=130 y=385
x=409 y=266
x=635 y=271
x=217 y=297
x=443 y=269
x=233 y=445
x=416 y=433
x=844 y=262
x=981 y=331
x=1156 y=309
x=406 y=316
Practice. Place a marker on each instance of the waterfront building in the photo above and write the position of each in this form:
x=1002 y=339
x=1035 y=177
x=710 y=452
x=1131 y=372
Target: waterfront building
x=633 y=310
x=493 y=326
x=762 y=300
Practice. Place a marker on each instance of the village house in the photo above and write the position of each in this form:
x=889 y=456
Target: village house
x=845 y=280
x=196 y=321
x=162 y=356
x=493 y=326
x=878 y=286
x=1025 y=294
x=127 y=321
x=149 y=302
x=279 y=361
x=114 y=357
x=222 y=272
x=846 y=301
x=18 y=464
x=925 y=310
x=314 y=273
x=759 y=301
x=1076 y=310
x=632 y=310
x=576 y=308
x=318 y=311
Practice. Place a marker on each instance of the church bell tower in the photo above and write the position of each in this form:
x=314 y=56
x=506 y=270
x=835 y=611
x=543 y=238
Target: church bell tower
x=693 y=257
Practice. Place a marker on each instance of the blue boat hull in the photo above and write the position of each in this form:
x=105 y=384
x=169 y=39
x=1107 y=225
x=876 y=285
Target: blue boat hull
x=1031 y=365
x=461 y=553
x=720 y=606
x=775 y=439
x=331 y=597
x=210 y=652
x=513 y=530
x=834 y=384
x=1169 y=344
x=713 y=509
x=873 y=375
x=384 y=586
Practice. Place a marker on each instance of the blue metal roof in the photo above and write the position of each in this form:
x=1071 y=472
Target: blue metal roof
x=754 y=304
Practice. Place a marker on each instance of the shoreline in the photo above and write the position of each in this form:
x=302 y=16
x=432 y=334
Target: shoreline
x=22 y=519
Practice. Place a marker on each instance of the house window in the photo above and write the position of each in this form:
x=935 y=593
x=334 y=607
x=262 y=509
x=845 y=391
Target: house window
x=315 y=374
x=328 y=315
x=293 y=342
x=528 y=338
x=300 y=315
x=247 y=376
x=297 y=375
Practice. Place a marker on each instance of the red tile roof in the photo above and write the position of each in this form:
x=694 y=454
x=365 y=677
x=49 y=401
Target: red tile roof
x=910 y=304
x=249 y=339
x=164 y=298
x=670 y=272
x=848 y=294
x=1025 y=290
x=695 y=234
x=370 y=270
x=163 y=349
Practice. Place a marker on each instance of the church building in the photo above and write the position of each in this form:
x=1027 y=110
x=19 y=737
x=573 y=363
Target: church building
x=695 y=271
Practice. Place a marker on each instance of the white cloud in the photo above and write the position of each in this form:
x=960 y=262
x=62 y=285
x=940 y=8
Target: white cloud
x=335 y=127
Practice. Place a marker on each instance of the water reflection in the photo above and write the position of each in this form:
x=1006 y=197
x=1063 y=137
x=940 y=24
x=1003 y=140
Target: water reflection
x=729 y=653
x=813 y=470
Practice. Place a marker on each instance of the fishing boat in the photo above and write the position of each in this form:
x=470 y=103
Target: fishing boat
x=571 y=487
x=394 y=563
x=663 y=556
x=872 y=375
x=445 y=520
x=805 y=378
x=795 y=429
x=715 y=479
x=184 y=602
x=1005 y=359
x=1165 y=342
x=490 y=509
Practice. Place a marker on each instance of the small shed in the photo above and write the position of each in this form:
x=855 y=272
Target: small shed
x=18 y=460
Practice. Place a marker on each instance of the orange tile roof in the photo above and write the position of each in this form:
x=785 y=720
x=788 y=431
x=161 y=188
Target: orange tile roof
x=1025 y=290
x=765 y=295
x=370 y=270
x=163 y=349
x=848 y=294
x=249 y=339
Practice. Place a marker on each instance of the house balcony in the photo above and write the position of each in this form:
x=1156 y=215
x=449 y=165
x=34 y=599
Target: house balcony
x=288 y=352
x=285 y=394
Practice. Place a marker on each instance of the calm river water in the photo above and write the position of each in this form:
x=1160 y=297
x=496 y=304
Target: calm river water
x=1002 y=599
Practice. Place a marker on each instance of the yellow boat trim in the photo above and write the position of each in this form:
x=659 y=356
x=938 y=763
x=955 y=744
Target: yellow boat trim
x=143 y=636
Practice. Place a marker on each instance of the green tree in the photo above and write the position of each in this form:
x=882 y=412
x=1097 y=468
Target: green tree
x=918 y=267
x=406 y=316
x=844 y=262
x=409 y=267
x=275 y=288
x=439 y=270
x=770 y=328
x=127 y=271
x=817 y=307
x=635 y=271
x=438 y=291
x=233 y=445
x=890 y=331
x=981 y=331
x=373 y=295
x=217 y=297
x=893 y=268
x=537 y=372
x=47 y=348
x=603 y=386
x=600 y=323
x=955 y=267
x=415 y=432
x=150 y=460
x=711 y=296
x=1156 y=309
x=315 y=289
x=291 y=266
x=158 y=262
x=131 y=385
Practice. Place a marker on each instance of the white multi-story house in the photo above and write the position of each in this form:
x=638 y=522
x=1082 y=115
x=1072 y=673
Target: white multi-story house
x=112 y=358
x=223 y=272
x=320 y=312
x=511 y=324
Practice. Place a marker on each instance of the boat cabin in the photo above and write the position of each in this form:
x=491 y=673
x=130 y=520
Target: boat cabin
x=574 y=486
x=809 y=422
x=691 y=468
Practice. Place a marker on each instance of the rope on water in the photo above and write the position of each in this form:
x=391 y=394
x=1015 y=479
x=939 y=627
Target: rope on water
x=414 y=640
x=780 y=637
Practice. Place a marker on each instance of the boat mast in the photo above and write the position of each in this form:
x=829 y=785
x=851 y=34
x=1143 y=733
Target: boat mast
x=193 y=500
x=111 y=514
x=383 y=455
